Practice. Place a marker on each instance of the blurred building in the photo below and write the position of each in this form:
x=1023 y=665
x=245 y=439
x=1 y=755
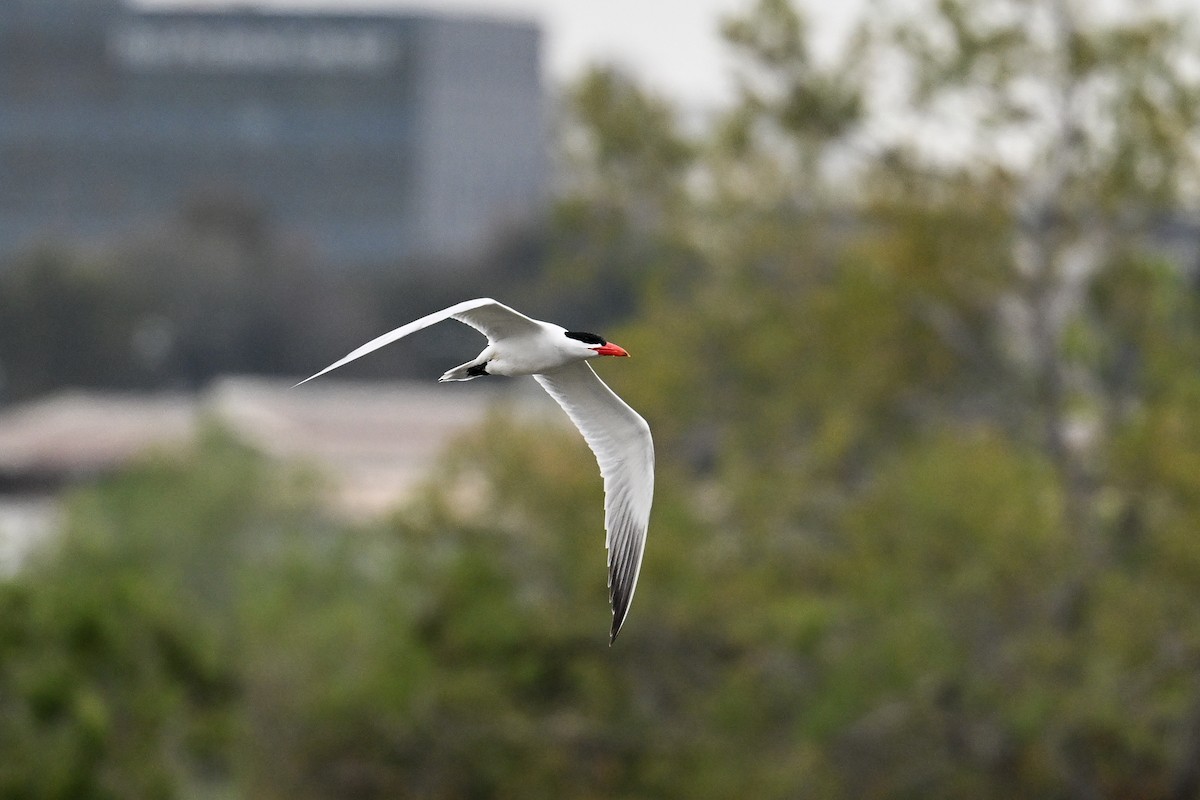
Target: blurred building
x=373 y=136
x=374 y=443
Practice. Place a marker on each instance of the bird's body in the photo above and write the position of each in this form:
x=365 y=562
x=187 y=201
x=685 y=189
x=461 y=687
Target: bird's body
x=618 y=436
x=525 y=354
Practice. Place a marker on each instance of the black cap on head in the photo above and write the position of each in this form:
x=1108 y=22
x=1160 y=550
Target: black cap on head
x=586 y=338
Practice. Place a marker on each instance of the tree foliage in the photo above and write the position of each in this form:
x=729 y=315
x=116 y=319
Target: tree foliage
x=216 y=289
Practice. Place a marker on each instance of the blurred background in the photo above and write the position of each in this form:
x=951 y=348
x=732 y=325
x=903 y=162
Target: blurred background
x=912 y=289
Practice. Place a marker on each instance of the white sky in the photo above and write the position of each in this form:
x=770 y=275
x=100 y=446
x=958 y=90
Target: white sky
x=672 y=45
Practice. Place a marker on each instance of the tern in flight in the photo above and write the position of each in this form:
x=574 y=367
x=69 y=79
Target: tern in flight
x=557 y=359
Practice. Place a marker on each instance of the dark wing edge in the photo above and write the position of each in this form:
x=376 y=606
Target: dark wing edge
x=624 y=450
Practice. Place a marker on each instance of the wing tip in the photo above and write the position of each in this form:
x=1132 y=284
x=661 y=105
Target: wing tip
x=316 y=375
x=621 y=586
x=620 y=610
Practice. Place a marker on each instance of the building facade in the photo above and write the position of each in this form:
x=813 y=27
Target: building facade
x=374 y=137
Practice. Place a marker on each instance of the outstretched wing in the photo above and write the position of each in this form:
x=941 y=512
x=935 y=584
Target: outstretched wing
x=621 y=440
x=494 y=320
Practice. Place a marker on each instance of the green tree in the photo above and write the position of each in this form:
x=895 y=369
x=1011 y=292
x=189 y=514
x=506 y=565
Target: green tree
x=115 y=671
x=908 y=380
x=622 y=203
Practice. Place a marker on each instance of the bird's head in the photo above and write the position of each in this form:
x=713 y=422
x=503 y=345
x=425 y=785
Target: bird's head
x=590 y=345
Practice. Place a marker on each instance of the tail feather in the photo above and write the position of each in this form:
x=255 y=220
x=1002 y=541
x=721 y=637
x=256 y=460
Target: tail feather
x=466 y=372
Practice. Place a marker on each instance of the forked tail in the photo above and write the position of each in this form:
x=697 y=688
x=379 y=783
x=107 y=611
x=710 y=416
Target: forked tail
x=465 y=372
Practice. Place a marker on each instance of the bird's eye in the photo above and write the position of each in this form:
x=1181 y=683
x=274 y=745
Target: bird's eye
x=586 y=338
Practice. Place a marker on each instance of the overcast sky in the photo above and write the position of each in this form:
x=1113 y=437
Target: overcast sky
x=673 y=45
